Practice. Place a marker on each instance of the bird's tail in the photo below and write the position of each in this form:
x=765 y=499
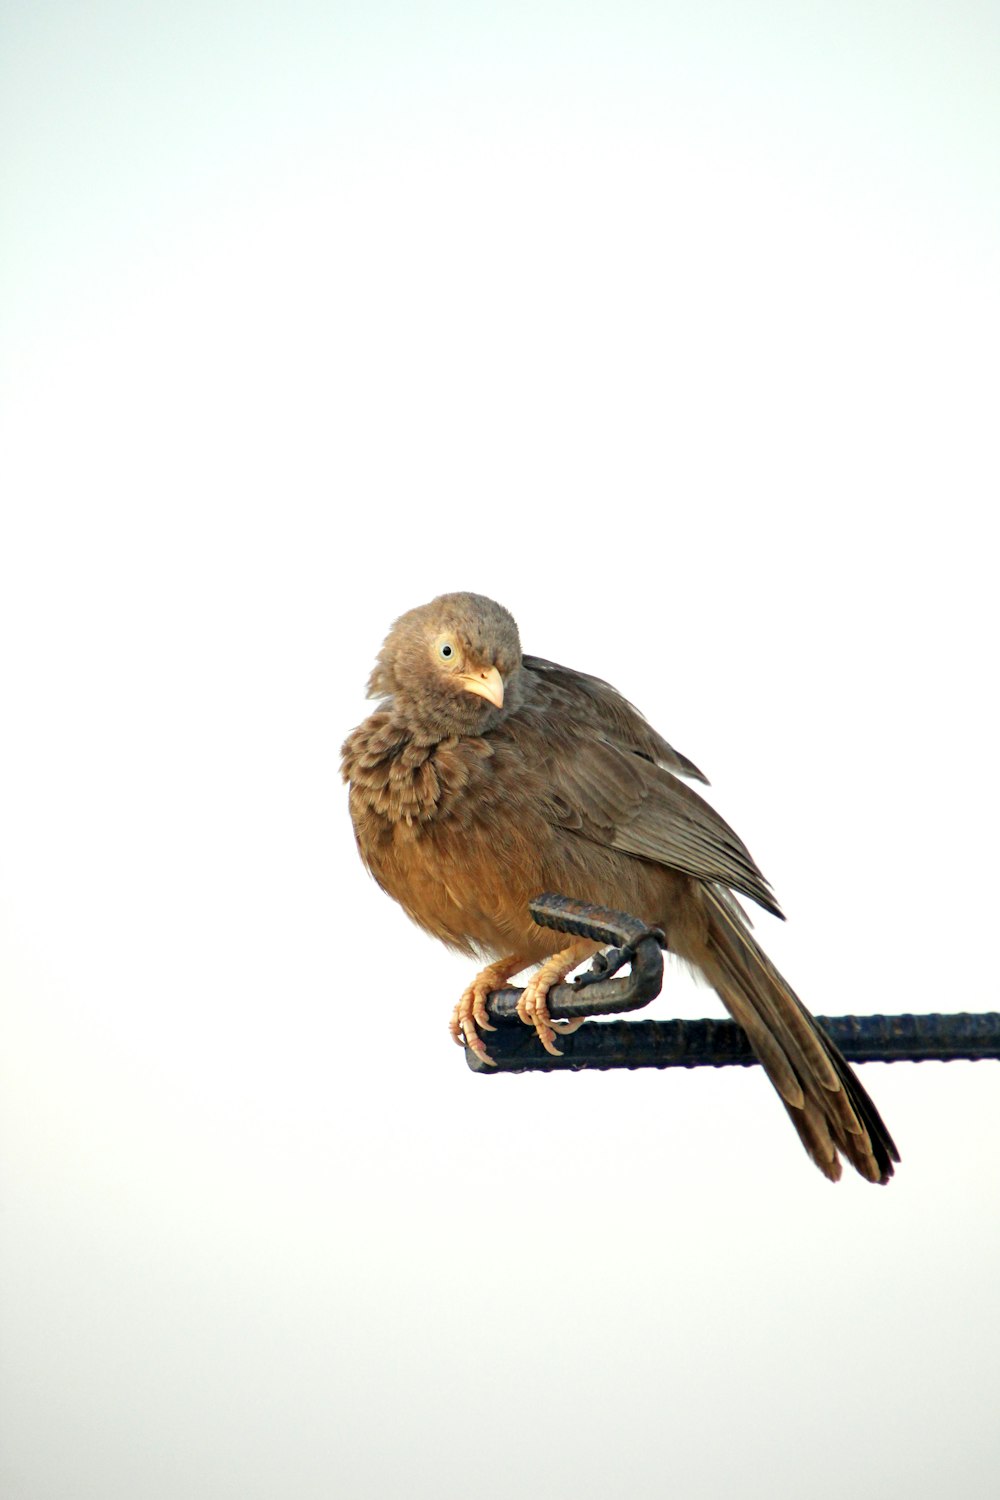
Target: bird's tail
x=823 y=1096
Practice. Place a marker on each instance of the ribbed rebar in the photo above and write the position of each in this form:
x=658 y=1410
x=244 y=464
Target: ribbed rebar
x=687 y=1044
x=720 y=1044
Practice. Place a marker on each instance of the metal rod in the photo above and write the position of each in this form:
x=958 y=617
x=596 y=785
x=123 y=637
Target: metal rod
x=514 y=1048
x=720 y=1044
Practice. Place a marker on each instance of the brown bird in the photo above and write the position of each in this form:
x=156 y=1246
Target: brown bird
x=486 y=777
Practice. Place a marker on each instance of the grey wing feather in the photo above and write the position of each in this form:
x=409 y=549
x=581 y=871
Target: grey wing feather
x=623 y=801
x=594 y=702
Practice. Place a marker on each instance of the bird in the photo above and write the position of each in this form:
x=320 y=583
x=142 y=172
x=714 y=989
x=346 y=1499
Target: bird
x=486 y=776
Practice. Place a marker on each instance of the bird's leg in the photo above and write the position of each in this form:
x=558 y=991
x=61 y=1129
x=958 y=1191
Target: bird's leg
x=470 y=1011
x=532 y=1007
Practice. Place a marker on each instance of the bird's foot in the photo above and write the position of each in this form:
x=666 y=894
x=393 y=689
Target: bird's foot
x=470 y=1012
x=532 y=1007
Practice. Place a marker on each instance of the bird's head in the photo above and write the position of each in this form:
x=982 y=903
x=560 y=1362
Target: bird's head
x=451 y=666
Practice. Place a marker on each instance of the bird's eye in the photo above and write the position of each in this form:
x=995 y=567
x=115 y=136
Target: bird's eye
x=446 y=651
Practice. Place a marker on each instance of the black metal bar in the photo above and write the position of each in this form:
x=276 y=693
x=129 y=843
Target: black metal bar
x=592 y=994
x=720 y=1044
x=687 y=1044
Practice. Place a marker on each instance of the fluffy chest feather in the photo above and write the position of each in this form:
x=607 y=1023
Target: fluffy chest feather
x=433 y=825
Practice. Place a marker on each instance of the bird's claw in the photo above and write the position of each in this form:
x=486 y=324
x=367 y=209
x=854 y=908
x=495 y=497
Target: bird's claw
x=470 y=1013
x=533 y=1008
x=533 y=1011
x=470 y=1016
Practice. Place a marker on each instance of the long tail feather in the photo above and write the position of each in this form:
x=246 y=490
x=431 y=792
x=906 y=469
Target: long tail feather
x=823 y=1096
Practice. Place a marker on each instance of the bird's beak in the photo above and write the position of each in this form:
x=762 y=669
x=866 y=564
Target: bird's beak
x=486 y=682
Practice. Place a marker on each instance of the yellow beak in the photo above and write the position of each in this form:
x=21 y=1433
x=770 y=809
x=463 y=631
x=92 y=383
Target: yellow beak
x=486 y=682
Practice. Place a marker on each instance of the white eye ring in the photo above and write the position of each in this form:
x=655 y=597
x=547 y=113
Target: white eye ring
x=446 y=651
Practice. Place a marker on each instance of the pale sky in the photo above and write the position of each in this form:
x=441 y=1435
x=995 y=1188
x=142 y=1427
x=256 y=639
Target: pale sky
x=675 y=329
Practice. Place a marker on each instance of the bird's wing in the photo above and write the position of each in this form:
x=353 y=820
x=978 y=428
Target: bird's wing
x=596 y=704
x=623 y=801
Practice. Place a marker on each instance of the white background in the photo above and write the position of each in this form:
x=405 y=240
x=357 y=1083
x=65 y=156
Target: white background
x=675 y=329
